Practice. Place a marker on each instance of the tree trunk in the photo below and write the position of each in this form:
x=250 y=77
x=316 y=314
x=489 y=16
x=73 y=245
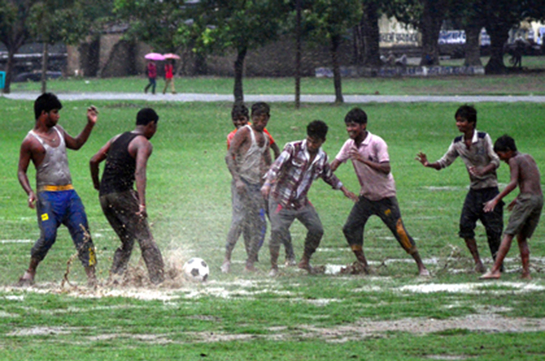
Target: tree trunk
x=358 y=44
x=430 y=25
x=473 y=47
x=45 y=59
x=239 y=69
x=9 y=71
x=199 y=66
x=335 y=42
x=298 y=53
x=371 y=35
x=498 y=36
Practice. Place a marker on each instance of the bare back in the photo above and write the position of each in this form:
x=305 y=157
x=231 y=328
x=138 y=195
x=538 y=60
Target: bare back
x=529 y=178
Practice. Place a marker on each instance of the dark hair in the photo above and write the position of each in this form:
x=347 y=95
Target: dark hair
x=261 y=108
x=238 y=110
x=146 y=116
x=356 y=115
x=46 y=102
x=317 y=129
x=505 y=143
x=467 y=112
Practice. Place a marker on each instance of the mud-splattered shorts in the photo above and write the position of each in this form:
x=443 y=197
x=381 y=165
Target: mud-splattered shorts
x=388 y=211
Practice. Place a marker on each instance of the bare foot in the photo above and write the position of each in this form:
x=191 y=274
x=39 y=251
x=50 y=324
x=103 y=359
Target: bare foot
x=273 y=272
x=26 y=280
x=490 y=275
x=226 y=267
x=290 y=262
x=424 y=273
x=250 y=267
x=526 y=276
x=305 y=265
x=480 y=268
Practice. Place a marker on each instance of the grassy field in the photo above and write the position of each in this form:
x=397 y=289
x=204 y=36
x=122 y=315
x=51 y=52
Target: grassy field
x=524 y=83
x=391 y=315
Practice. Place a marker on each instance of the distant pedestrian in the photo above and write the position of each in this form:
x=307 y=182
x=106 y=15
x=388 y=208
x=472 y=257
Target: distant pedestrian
x=169 y=76
x=151 y=70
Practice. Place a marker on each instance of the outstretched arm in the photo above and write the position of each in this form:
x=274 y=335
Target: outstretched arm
x=78 y=142
x=422 y=158
x=490 y=205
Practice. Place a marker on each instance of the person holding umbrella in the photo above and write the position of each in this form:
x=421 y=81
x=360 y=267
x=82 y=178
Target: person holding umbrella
x=169 y=69
x=151 y=70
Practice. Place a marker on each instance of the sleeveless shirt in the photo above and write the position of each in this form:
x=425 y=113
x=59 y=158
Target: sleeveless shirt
x=118 y=175
x=54 y=168
x=250 y=163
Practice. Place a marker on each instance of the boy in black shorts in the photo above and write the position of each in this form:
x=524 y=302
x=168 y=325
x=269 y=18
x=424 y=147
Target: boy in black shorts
x=475 y=149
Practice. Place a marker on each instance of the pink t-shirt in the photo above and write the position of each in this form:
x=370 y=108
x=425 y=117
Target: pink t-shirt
x=374 y=185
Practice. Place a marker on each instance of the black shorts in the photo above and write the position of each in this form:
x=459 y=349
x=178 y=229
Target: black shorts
x=473 y=211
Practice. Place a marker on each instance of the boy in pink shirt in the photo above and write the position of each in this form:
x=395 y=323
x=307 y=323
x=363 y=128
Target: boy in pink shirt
x=369 y=155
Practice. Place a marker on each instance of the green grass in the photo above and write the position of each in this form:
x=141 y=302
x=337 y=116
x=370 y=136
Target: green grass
x=247 y=316
x=525 y=83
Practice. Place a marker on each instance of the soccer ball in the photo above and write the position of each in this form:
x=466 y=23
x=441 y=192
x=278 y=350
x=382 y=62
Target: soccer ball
x=196 y=269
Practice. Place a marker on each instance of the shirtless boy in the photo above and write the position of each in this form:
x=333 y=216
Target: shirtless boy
x=248 y=158
x=56 y=201
x=526 y=206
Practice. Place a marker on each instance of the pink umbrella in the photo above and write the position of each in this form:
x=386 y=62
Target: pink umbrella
x=171 y=56
x=154 y=56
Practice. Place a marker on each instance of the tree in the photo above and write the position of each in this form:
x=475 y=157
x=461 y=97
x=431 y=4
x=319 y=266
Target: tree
x=14 y=31
x=331 y=20
x=241 y=25
x=371 y=33
x=469 y=16
x=426 y=16
x=500 y=16
x=53 y=21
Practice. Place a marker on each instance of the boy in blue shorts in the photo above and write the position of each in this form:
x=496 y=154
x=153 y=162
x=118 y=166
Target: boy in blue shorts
x=56 y=201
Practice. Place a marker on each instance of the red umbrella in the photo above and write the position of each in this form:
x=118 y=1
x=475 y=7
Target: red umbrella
x=171 y=56
x=154 y=56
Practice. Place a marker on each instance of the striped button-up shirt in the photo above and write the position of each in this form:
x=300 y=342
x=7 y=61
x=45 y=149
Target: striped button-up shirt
x=292 y=174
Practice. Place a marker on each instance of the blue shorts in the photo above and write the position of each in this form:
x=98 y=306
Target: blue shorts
x=63 y=207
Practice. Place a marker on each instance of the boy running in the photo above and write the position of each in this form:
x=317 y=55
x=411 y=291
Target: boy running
x=286 y=186
x=475 y=149
x=240 y=118
x=126 y=158
x=56 y=200
x=248 y=158
x=369 y=156
x=526 y=206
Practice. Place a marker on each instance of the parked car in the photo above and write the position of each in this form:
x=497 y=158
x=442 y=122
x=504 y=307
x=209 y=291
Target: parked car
x=36 y=76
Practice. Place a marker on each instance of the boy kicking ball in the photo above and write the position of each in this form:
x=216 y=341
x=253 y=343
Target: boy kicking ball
x=526 y=206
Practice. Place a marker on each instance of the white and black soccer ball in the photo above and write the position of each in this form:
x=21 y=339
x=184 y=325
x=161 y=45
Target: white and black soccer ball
x=196 y=269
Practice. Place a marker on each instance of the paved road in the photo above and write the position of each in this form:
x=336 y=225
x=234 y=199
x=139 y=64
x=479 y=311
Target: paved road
x=191 y=97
